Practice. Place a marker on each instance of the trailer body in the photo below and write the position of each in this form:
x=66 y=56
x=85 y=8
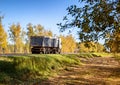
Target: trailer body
x=45 y=45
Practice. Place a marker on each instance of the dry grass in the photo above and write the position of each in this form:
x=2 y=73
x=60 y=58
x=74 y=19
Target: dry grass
x=94 y=71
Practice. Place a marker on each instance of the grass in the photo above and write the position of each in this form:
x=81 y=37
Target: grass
x=20 y=69
x=117 y=55
x=104 y=54
x=34 y=68
x=91 y=55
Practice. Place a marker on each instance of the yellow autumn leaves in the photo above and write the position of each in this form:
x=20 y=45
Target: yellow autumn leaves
x=3 y=37
x=17 y=37
x=68 y=44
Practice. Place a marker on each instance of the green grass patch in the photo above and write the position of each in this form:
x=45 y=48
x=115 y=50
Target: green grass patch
x=20 y=69
x=86 y=55
x=90 y=55
x=117 y=55
x=103 y=54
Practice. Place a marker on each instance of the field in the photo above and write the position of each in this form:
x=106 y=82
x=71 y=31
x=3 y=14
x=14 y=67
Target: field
x=65 y=69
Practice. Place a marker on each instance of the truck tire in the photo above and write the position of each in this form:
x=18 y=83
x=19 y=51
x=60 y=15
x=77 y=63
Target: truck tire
x=44 y=50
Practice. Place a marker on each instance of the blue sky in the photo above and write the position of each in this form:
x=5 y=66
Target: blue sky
x=45 y=12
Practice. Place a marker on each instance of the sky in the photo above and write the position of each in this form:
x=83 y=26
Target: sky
x=45 y=12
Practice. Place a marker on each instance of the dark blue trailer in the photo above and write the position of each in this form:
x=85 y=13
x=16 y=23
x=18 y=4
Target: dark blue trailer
x=45 y=45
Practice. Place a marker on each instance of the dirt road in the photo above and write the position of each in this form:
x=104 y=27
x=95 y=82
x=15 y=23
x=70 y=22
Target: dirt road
x=94 y=71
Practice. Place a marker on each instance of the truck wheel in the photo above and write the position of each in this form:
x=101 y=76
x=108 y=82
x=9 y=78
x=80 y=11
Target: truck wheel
x=44 y=51
x=59 y=51
x=33 y=52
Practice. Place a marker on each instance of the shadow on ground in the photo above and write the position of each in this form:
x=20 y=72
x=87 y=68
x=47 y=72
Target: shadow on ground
x=94 y=71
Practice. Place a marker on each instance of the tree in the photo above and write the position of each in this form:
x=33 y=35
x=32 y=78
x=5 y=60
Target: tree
x=96 y=19
x=39 y=30
x=90 y=47
x=25 y=41
x=15 y=36
x=47 y=33
x=113 y=44
x=30 y=30
x=68 y=44
x=50 y=33
x=3 y=36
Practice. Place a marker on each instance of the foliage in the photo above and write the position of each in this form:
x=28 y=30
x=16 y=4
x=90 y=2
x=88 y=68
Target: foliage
x=37 y=30
x=90 y=47
x=96 y=19
x=113 y=43
x=68 y=44
x=40 y=31
x=3 y=36
x=31 y=31
x=15 y=36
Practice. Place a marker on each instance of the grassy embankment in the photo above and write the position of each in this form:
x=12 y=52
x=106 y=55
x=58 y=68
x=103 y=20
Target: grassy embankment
x=21 y=69
x=34 y=68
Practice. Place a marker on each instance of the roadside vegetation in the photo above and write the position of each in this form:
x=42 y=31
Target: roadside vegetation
x=36 y=68
x=31 y=68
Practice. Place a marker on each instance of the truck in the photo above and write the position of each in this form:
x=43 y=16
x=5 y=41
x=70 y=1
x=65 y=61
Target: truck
x=45 y=45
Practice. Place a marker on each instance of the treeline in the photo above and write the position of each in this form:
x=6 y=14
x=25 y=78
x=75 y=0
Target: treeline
x=17 y=40
x=84 y=47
